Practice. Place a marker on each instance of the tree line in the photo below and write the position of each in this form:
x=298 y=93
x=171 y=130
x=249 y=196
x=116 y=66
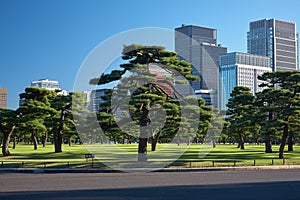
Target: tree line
x=43 y=115
x=147 y=106
x=271 y=116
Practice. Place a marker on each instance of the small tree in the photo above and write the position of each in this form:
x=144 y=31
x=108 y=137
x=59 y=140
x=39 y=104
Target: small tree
x=240 y=110
x=62 y=116
x=8 y=121
x=216 y=124
x=34 y=111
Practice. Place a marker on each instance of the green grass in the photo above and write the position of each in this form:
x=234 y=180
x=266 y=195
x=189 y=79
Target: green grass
x=230 y=155
x=73 y=156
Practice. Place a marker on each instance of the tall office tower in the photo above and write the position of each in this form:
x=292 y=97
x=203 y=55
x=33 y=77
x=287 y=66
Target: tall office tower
x=276 y=39
x=3 y=98
x=198 y=45
x=240 y=69
x=96 y=100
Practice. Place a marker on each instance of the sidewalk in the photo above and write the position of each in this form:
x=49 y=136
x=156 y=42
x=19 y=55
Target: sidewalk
x=142 y=170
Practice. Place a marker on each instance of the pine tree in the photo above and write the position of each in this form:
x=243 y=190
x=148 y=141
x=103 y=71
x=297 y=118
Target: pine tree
x=281 y=101
x=142 y=92
x=8 y=123
x=34 y=112
x=240 y=109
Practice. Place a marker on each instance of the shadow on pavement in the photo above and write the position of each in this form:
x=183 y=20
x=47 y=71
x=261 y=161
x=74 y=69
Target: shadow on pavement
x=274 y=190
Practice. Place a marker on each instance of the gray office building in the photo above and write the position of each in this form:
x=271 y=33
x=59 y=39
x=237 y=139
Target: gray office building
x=198 y=45
x=275 y=39
x=95 y=99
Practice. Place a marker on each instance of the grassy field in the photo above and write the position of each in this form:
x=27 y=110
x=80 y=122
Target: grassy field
x=74 y=156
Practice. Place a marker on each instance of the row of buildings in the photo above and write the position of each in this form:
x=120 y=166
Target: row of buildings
x=93 y=97
x=272 y=45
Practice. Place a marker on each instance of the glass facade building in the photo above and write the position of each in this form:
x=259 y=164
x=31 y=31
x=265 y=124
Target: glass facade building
x=275 y=39
x=96 y=99
x=240 y=69
x=198 y=45
x=206 y=95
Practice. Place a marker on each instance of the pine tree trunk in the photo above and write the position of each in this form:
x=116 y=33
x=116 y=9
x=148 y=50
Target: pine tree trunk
x=257 y=143
x=57 y=142
x=14 y=142
x=35 y=142
x=268 y=146
x=214 y=143
x=154 y=141
x=143 y=139
x=58 y=134
x=242 y=142
x=5 y=150
x=268 y=142
x=242 y=145
x=283 y=141
x=291 y=141
x=6 y=140
x=70 y=142
x=44 y=140
x=142 y=149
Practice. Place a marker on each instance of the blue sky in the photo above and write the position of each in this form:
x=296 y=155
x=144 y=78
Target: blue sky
x=51 y=38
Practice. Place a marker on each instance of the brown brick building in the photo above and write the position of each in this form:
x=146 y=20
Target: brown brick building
x=3 y=98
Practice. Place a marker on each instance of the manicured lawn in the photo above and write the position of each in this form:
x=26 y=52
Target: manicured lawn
x=25 y=156
x=193 y=156
x=230 y=155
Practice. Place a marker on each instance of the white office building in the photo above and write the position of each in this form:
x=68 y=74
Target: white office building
x=240 y=69
x=49 y=85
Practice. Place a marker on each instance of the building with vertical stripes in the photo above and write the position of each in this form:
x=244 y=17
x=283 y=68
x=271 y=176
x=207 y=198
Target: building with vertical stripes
x=276 y=39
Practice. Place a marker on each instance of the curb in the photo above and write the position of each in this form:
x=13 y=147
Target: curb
x=143 y=170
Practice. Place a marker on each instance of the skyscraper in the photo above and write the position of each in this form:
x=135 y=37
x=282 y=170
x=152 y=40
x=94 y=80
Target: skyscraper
x=198 y=45
x=3 y=98
x=96 y=99
x=275 y=39
x=240 y=69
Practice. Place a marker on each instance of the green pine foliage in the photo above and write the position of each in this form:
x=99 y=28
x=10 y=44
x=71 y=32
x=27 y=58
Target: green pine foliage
x=240 y=109
x=143 y=95
x=280 y=104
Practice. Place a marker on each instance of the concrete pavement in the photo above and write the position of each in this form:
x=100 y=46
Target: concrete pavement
x=206 y=185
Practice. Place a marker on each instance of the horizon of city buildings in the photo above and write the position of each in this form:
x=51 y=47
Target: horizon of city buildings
x=272 y=38
x=272 y=45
